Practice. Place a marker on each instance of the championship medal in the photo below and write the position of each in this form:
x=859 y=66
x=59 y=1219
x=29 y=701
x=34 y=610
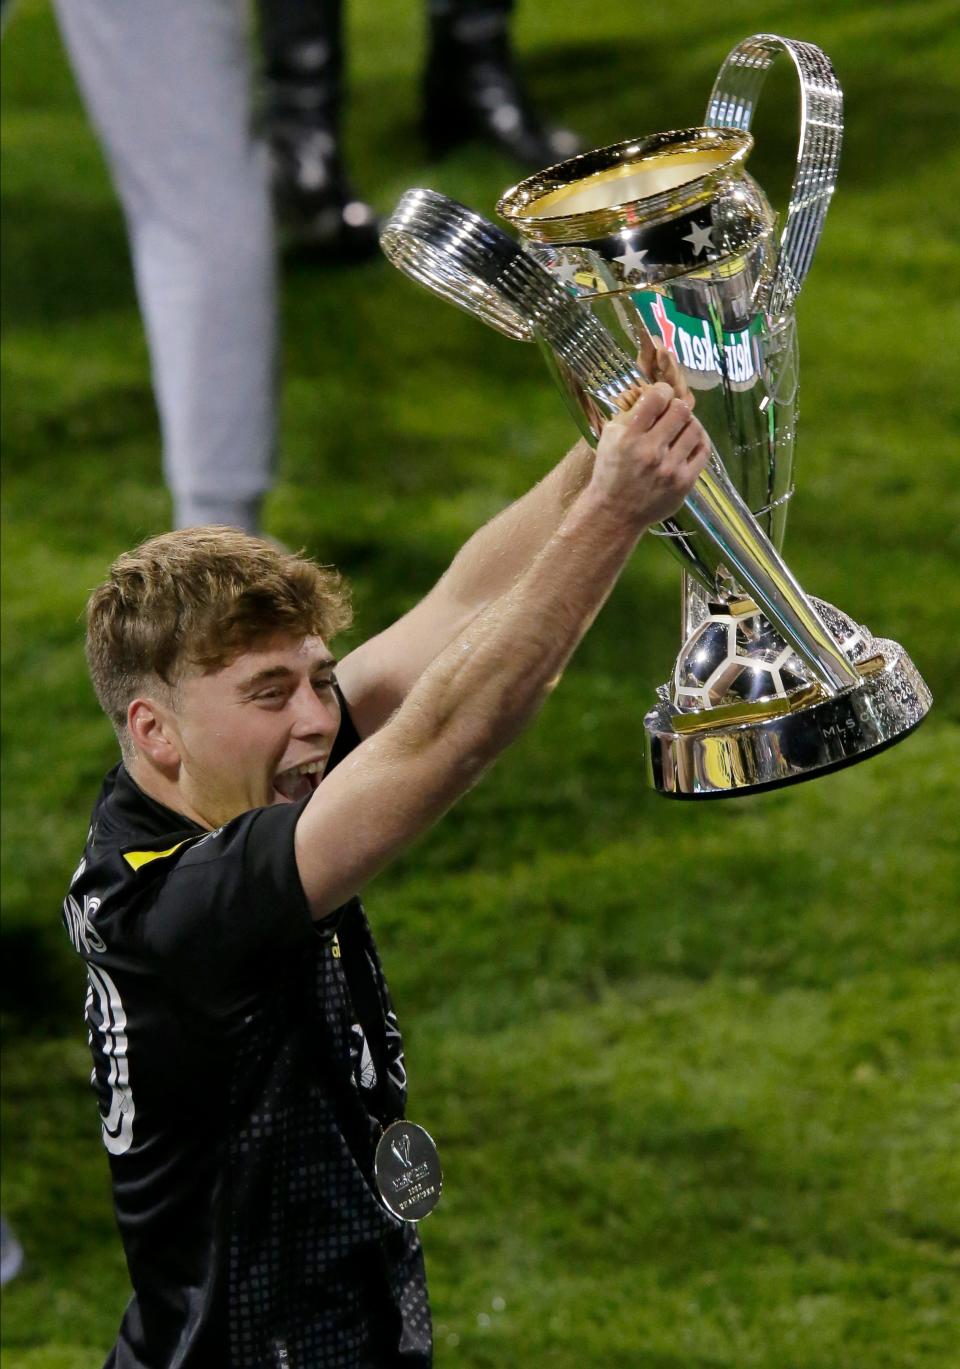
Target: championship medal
x=407 y=1171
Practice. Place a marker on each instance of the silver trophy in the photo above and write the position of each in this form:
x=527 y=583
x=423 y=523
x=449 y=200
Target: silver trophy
x=667 y=239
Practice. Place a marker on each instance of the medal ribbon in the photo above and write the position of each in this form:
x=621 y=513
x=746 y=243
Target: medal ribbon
x=385 y=1100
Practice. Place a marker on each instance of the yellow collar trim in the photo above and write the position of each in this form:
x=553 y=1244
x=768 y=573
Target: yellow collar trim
x=137 y=858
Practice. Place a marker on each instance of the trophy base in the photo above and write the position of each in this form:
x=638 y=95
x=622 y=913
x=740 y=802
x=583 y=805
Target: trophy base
x=734 y=750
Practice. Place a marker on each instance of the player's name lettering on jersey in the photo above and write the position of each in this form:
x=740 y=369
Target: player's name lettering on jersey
x=79 y=923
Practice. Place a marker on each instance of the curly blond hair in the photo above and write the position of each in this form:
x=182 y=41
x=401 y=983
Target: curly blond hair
x=197 y=598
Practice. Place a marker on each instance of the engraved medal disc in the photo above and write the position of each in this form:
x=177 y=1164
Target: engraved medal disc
x=407 y=1170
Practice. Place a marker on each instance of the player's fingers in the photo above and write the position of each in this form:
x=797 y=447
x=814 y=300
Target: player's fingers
x=647 y=356
x=688 y=440
x=670 y=424
x=698 y=457
x=642 y=407
x=626 y=399
x=668 y=368
x=651 y=406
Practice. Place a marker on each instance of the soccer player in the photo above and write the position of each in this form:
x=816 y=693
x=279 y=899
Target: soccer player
x=247 y=1056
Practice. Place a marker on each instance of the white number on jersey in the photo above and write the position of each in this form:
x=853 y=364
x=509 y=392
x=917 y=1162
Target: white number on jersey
x=117 y=1125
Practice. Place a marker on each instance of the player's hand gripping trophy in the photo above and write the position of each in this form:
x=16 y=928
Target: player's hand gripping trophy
x=667 y=240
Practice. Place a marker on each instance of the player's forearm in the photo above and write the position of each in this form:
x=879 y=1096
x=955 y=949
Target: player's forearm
x=485 y=686
x=379 y=675
x=491 y=560
x=499 y=552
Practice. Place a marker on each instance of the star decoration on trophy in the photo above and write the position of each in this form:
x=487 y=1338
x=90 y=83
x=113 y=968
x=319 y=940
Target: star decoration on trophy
x=566 y=272
x=631 y=259
x=699 y=239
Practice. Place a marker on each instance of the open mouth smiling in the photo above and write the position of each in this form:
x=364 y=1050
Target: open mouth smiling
x=300 y=780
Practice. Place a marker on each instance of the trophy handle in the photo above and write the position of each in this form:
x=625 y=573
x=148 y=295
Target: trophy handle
x=731 y=105
x=456 y=254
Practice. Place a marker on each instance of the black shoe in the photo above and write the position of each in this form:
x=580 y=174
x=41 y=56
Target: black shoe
x=472 y=89
x=318 y=212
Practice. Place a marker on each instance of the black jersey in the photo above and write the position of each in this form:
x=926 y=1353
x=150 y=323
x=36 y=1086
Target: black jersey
x=235 y=1086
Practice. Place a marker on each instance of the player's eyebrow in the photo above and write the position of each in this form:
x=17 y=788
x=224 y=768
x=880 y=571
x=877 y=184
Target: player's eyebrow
x=278 y=673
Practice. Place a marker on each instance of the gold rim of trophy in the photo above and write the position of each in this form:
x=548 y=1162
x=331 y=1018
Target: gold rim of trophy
x=662 y=174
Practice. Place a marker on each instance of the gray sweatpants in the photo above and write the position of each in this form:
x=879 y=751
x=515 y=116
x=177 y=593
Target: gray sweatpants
x=167 y=84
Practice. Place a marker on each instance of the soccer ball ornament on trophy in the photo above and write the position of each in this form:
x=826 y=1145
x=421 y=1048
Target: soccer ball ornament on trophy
x=667 y=238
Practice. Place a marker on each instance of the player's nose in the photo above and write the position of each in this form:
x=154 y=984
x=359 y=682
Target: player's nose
x=317 y=714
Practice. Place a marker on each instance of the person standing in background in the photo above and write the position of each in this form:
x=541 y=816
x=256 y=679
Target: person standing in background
x=169 y=88
x=471 y=88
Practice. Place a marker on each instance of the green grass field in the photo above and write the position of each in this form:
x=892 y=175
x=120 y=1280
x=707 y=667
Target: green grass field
x=693 y=1069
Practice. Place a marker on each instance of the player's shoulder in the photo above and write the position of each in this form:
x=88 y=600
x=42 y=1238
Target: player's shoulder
x=152 y=882
x=134 y=833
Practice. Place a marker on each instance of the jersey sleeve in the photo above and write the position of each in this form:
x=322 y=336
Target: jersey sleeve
x=233 y=911
x=347 y=735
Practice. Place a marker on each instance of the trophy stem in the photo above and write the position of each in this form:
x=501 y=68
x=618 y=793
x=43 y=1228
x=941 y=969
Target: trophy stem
x=754 y=562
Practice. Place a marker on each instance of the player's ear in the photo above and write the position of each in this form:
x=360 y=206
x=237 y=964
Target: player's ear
x=150 y=726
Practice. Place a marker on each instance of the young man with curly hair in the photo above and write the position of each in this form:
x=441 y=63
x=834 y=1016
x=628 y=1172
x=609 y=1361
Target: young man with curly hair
x=247 y=1056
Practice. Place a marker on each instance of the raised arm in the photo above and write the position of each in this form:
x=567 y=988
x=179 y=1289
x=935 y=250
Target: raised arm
x=378 y=675
x=484 y=686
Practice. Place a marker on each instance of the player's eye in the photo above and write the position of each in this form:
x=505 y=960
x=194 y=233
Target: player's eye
x=322 y=682
x=270 y=696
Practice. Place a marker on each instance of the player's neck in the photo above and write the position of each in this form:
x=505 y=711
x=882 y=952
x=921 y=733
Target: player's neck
x=160 y=787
